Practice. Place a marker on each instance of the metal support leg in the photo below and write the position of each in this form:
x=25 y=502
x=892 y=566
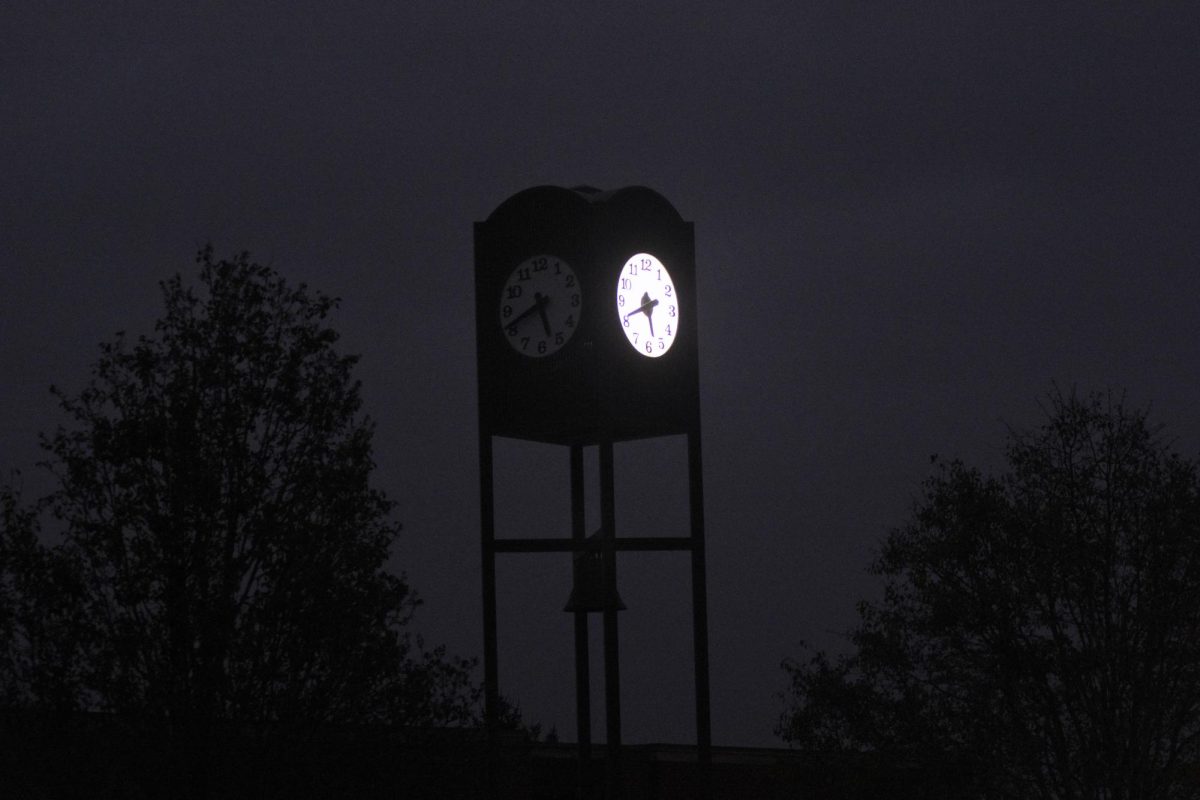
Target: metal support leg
x=491 y=680
x=583 y=688
x=700 y=613
x=612 y=677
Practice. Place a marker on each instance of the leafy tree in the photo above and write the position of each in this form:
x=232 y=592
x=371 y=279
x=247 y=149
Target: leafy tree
x=223 y=553
x=1039 y=632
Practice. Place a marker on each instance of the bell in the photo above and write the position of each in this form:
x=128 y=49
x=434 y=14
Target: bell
x=587 y=591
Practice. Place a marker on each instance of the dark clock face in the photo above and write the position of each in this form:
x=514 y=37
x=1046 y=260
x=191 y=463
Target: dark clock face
x=540 y=306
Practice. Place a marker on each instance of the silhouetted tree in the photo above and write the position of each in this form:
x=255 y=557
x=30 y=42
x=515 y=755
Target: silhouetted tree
x=42 y=635
x=1039 y=632
x=16 y=540
x=222 y=549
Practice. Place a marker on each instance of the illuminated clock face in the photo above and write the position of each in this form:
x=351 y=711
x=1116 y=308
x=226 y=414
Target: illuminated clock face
x=539 y=306
x=647 y=305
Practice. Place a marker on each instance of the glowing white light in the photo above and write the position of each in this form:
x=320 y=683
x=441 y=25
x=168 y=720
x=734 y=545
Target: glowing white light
x=647 y=305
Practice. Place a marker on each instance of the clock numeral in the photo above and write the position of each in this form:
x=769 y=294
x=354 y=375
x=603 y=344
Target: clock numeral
x=514 y=292
x=635 y=338
x=661 y=344
x=570 y=281
x=570 y=321
x=523 y=274
x=539 y=265
x=668 y=330
x=558 y=268
x=667 y=290
x=626 y=284
x=626 y=321
x=649 y=346
x=558 y=339
x=645 y=265
x=512 y=330
x=575 y=301
x=507 y=311
x=621 y=300
x=541 y=348
x=670 y=311
x=524 y=342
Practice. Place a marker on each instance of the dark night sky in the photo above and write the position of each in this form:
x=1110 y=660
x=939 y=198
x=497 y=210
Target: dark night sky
x=910 y=220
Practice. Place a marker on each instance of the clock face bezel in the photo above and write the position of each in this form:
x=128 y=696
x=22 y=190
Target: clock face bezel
x=540 y=306
x=646 y=293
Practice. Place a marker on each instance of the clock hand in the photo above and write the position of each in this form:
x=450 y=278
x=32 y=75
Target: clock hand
x=539 y=305
x=649 y=306
x=645 y=308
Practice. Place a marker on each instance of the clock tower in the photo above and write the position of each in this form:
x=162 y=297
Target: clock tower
x=586 y=334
